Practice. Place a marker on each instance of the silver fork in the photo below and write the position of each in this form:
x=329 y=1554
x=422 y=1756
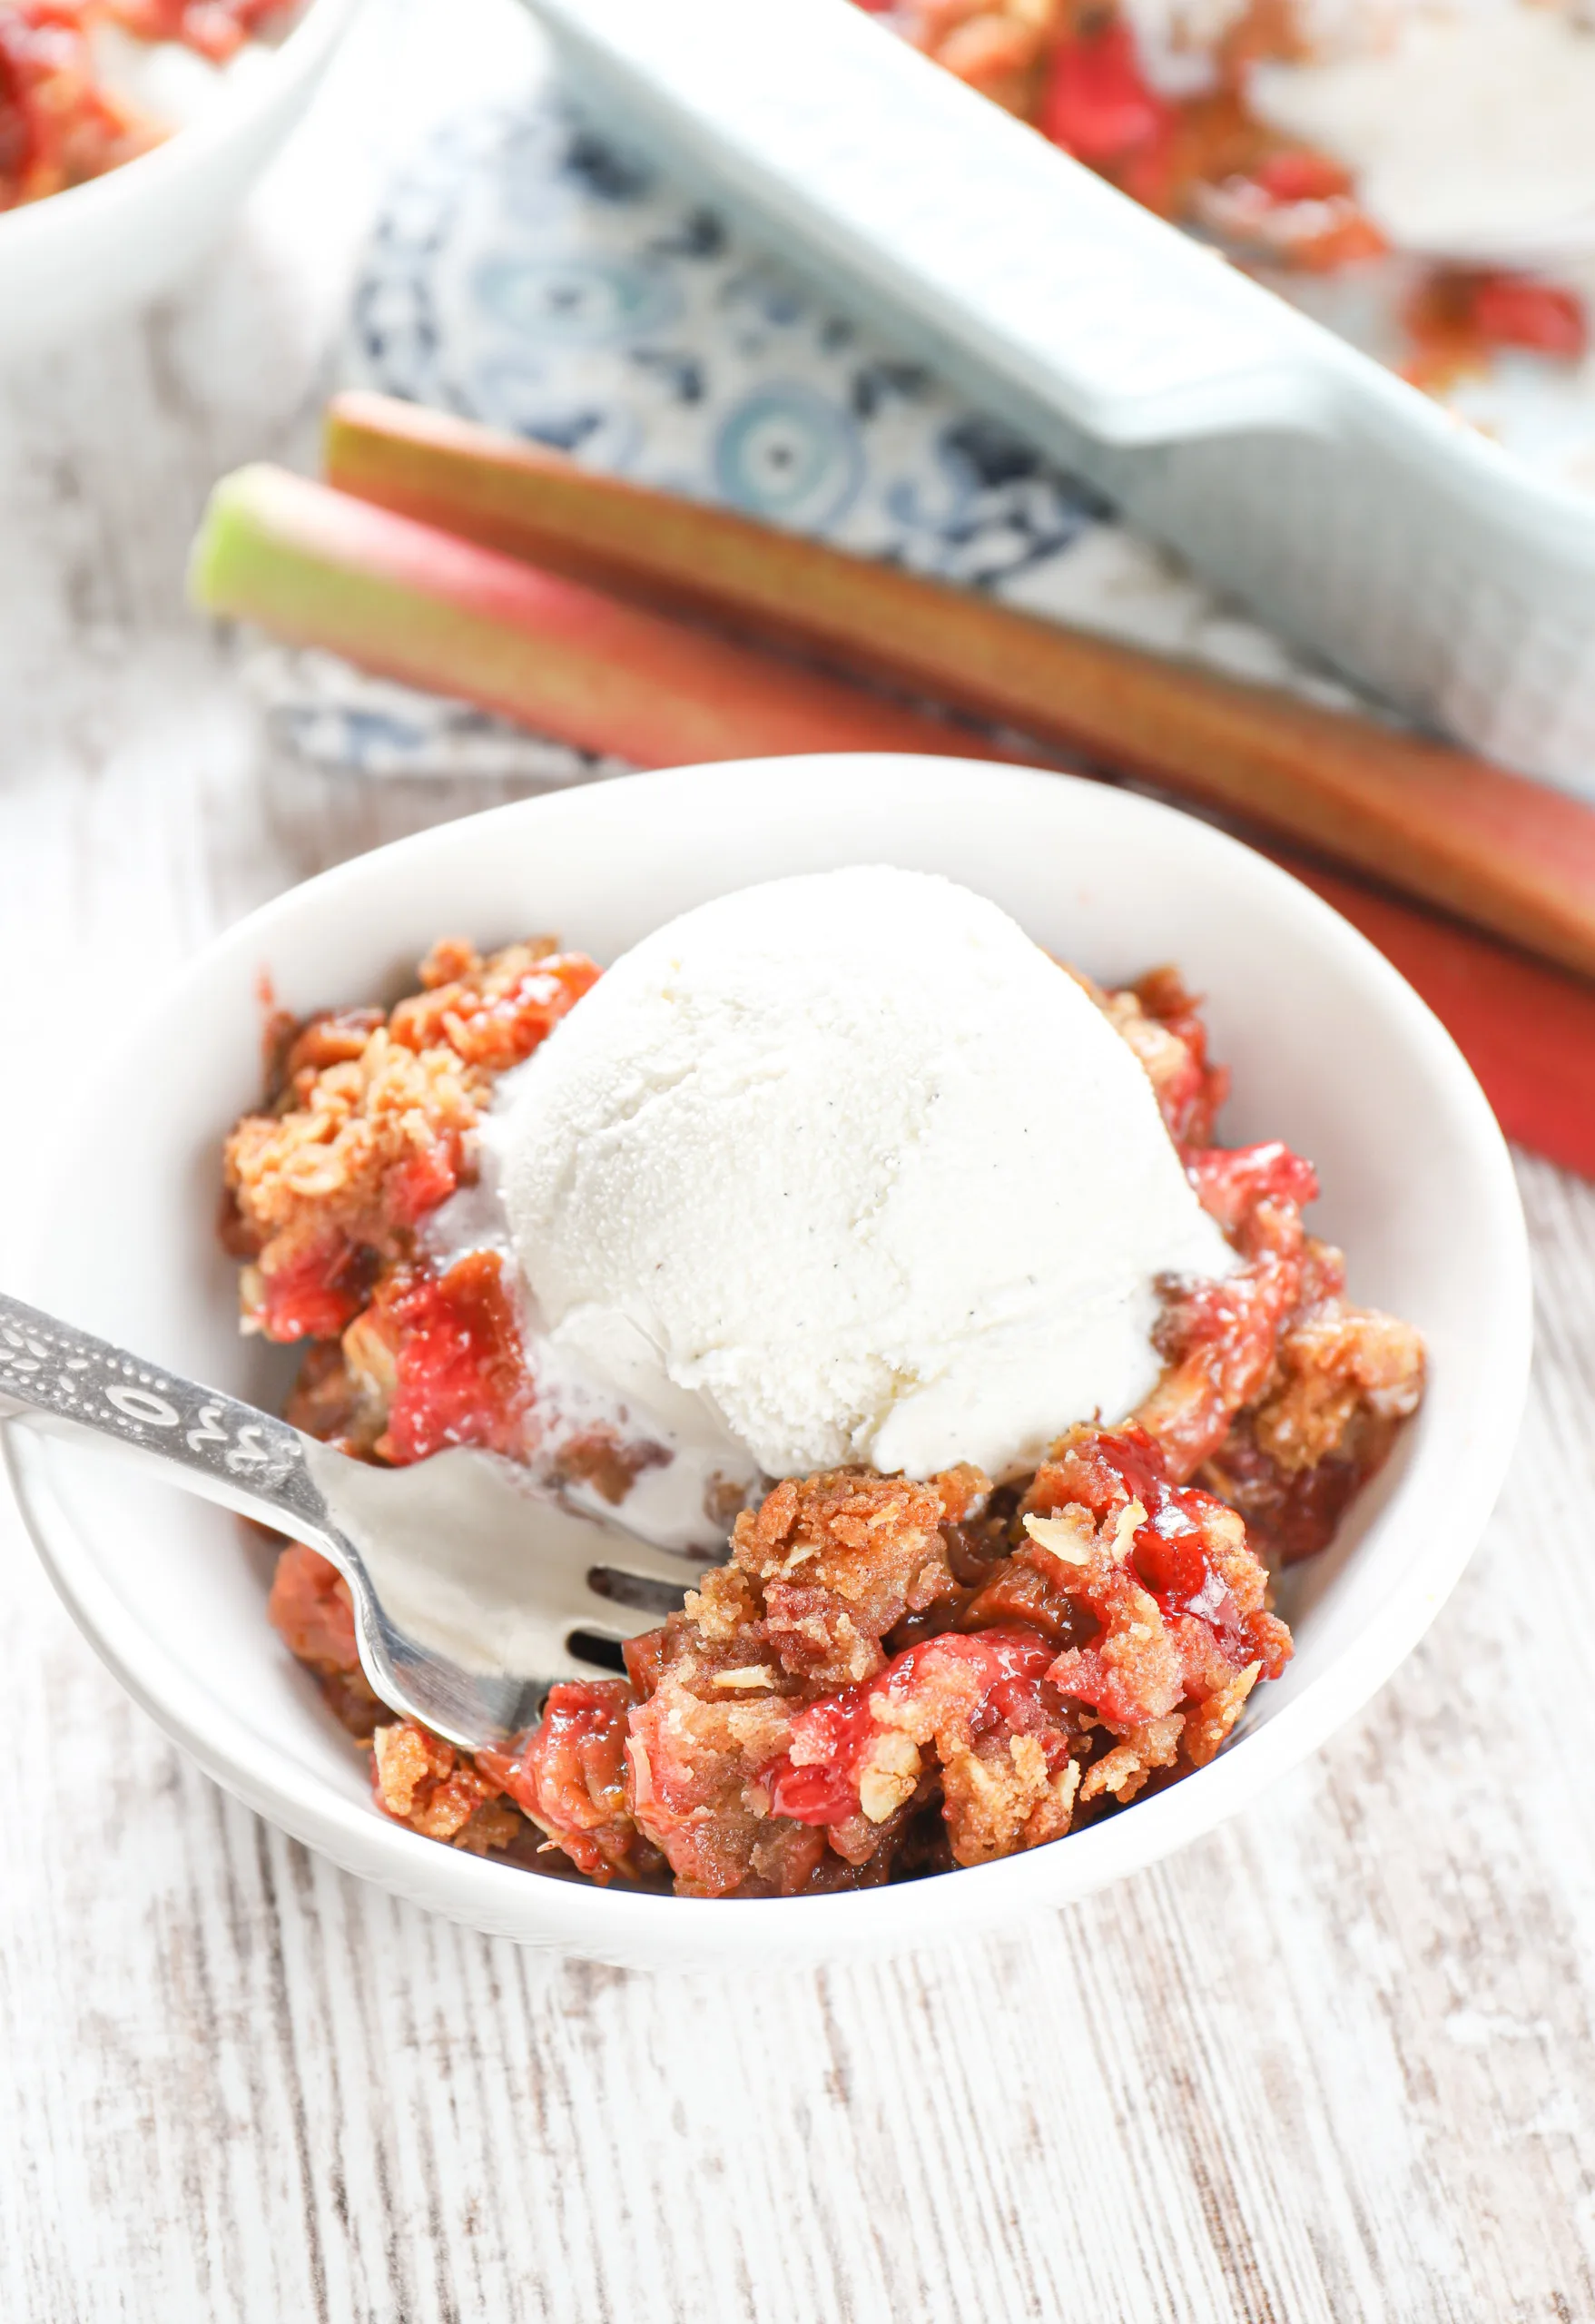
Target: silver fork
x=473 y=1589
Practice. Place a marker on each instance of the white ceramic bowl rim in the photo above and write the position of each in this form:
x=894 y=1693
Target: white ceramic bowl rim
x=633 y=1924
x=297 y=53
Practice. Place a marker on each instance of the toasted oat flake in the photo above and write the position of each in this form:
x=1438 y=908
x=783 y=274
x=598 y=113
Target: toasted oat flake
x=889 y=1777
x=1063 y=1539
x=1128 y=1524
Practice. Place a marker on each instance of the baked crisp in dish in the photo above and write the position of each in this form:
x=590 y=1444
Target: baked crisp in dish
x=890 y=1675
x=1198 y=112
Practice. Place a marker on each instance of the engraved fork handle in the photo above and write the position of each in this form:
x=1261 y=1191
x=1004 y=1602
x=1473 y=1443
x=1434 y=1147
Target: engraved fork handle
x=67 y=1381
x=55 y=1377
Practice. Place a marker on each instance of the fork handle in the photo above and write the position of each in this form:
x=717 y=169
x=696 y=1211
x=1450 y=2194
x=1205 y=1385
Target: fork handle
x=67 y=1380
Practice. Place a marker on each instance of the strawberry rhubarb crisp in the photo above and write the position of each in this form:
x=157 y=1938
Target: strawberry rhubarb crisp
x=1014 y=1389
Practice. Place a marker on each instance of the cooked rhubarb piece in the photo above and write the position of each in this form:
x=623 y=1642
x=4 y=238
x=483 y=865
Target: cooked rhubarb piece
x=569 y=1778
x=446 y=1352
x=1098 y=104
x=1459 y=317
x=1147 y=1537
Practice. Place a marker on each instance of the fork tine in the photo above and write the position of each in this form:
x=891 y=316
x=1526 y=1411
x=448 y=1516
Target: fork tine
x=474 y=1582
x=620 y=1587
x=623 y=1554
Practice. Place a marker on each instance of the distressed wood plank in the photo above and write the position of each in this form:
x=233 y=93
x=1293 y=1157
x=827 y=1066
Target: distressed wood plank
x=1334 y=2061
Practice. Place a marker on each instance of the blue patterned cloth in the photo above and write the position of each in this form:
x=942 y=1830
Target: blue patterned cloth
x=528 y=273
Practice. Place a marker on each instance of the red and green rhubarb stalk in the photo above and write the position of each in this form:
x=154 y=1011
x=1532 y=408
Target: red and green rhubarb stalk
x=317 y=567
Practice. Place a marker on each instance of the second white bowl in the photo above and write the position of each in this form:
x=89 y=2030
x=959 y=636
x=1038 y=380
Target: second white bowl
x=98 y=248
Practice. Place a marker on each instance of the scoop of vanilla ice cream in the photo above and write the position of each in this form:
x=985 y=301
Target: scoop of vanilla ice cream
x=846 y=1168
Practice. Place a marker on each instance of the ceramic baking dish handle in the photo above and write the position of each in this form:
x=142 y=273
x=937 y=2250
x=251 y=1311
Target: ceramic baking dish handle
x=959 y=219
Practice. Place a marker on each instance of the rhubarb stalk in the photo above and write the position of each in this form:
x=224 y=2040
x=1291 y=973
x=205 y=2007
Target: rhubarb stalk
x=1495 y=848
x=318 y=567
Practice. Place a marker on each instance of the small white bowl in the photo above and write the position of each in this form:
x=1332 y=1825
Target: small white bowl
x=96 y=249
x=1331 y=1050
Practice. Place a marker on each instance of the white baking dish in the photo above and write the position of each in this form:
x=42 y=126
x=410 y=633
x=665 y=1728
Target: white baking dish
x=1342 y=505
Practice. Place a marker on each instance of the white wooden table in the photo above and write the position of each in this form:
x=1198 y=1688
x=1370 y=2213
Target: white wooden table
x=1337 y=2061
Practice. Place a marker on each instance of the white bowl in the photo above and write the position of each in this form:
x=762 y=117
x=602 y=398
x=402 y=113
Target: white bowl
x=75 y=257
x=1332 y=1051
